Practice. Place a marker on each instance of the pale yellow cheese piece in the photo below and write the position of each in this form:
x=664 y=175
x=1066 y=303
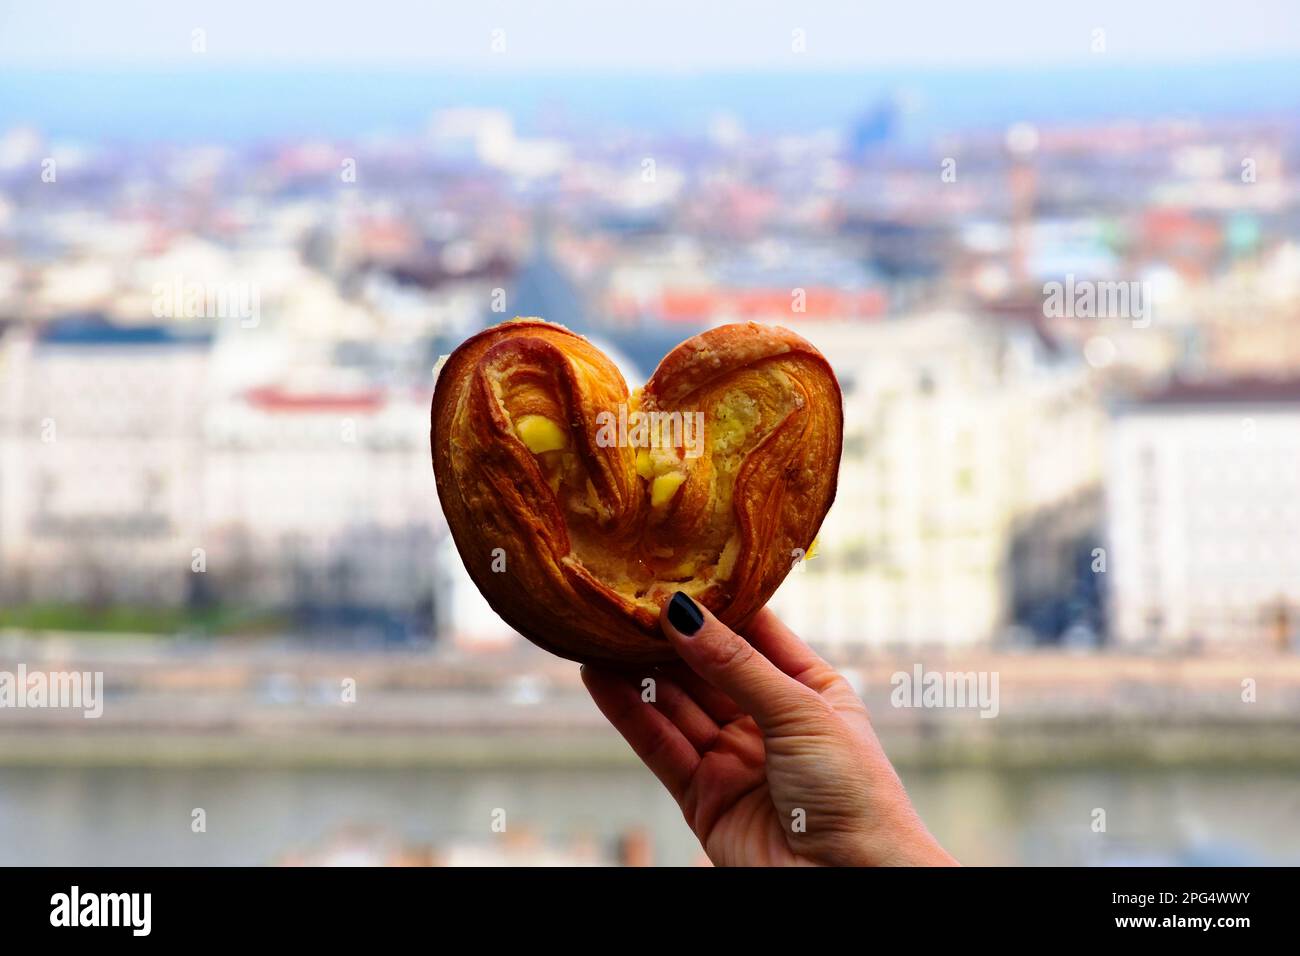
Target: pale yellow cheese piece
x=644 y=466
x=664 y=487
x=540 y=434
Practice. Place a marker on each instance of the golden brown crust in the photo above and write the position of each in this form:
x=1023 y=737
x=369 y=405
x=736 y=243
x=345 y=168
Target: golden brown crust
x=578 y=541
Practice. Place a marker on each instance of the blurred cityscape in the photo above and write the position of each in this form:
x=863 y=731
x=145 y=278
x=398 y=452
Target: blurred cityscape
x=217 y=366
x=1070 y=357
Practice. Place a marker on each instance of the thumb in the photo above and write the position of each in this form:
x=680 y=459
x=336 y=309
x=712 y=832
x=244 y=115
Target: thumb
x=732 y=665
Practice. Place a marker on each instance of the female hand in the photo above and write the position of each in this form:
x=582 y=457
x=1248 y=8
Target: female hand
x=767 y=750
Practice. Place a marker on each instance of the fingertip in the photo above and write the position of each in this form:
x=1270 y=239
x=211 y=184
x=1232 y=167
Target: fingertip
x=593 y=675
x=734 y=665
x=601 y=684
x=682 y=617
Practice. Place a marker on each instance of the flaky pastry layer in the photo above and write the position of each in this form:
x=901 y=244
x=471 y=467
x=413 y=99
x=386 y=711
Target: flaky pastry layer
x=579 y=508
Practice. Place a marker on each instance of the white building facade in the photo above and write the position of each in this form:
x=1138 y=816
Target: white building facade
x=100 y=453
x=129 y=476
x=1203 y=490
x=321 y=498
x=958 y=433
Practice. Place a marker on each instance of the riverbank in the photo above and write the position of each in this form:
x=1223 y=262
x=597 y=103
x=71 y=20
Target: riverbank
x=172 y=703
x=1024 y=747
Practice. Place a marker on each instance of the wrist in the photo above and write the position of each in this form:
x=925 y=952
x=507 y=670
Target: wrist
x=904 y=843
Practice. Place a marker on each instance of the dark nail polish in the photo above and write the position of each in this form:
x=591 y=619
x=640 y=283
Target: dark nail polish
x=684 y=615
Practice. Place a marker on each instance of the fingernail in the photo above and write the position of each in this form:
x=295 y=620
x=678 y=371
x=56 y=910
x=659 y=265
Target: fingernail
x=684 y=615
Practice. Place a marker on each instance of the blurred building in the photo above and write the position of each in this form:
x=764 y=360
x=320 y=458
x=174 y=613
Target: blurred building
x=321 y=501
x=125 y=478
x=963 y=433
x=1204 y=519
x=284 y=446
x=100 y=455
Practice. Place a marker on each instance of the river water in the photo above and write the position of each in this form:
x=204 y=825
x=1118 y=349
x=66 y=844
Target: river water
x=98 y=816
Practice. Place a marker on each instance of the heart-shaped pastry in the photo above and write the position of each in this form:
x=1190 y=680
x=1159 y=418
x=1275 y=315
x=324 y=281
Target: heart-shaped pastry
x=579 y=509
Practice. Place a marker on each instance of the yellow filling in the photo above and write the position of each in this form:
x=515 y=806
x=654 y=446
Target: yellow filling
x=540 y=434
x=736 y=421
x=734 y=417
x=644 y=465
x=664 y=487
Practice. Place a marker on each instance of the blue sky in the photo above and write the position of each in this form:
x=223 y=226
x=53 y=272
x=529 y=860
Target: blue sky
x=693 y=35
